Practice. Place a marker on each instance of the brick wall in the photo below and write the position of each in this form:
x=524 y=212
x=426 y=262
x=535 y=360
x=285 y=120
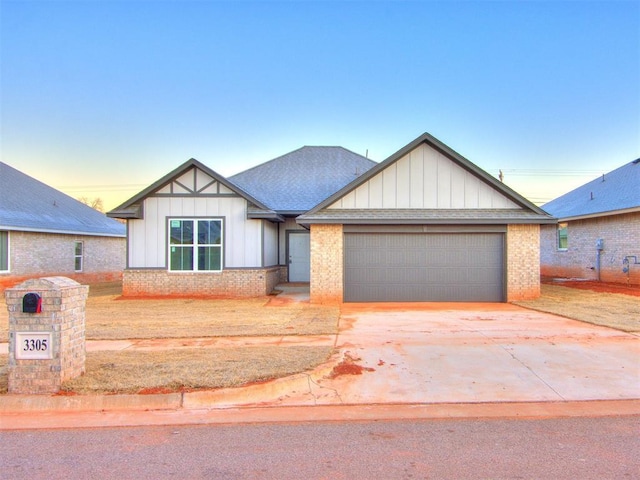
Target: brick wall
x=229 y=283
x=523 y=262
x=33 y=254
x=621 y=236
x=326 y=264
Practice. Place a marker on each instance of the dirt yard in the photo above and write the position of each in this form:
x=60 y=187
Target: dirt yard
x=591 y=302
x=111 y=318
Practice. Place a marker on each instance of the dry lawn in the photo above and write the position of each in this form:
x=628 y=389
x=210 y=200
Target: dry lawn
x=108 y=318
x=613 y=310
x=191 y=368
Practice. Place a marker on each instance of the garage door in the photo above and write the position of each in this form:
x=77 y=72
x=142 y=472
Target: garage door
x=419 y=267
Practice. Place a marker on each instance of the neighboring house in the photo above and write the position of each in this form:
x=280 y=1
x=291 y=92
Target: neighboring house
x=598 y=232
x=424 y=225
x=44 y=232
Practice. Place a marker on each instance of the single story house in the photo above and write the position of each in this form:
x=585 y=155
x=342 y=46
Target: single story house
x=597 y=236
x=44 y=232
x=426 y=224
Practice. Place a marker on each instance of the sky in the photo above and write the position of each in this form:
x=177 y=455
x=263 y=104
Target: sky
x=100 y=99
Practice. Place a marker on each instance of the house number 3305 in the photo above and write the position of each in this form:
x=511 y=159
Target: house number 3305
x=33 y=345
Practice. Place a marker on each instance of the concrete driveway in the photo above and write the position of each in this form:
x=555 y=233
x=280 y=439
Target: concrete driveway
x=456 y=353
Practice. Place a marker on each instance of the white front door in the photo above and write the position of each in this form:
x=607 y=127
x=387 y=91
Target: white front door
x=299 y=257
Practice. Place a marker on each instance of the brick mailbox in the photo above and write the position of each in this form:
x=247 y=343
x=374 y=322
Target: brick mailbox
x=46 y=334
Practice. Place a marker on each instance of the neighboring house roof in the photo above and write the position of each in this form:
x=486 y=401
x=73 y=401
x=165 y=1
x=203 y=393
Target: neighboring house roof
x=529 y=213
x=132 y=208
x=613 y=193
x=27 y=204
x=299 y=180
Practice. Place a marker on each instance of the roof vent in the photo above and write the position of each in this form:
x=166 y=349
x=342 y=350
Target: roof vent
x=636 y=161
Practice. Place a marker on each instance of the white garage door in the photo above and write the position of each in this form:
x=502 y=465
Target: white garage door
x=424 y=267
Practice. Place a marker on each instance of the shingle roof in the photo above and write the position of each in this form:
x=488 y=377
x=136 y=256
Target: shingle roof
x=299 y=180
x=424 y=216
x=613 y=192
x=27 y=204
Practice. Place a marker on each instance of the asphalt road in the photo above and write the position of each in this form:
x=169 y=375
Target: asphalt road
x=570 y=448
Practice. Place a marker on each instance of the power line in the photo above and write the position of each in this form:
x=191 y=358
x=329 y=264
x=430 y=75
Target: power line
x=550 y=173
x=111 y=188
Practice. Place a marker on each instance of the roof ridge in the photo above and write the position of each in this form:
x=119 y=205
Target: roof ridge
x=261 y=165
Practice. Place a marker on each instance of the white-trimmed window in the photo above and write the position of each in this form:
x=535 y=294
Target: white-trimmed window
x=4 y=251
x=195 y=244
x=563 y=236
x=79 y=256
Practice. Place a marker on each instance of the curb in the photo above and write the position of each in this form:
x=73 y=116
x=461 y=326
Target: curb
x=96 y=403
x=323 y=413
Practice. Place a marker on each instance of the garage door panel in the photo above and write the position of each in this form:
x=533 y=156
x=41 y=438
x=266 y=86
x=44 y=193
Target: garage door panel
x=405 y=267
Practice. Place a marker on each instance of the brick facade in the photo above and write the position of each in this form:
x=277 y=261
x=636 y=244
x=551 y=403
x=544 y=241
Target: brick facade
x=34 y=254
x=327 y=259
x=621 y=237
x=63 y=317
x=523 y=262
x=230 y=283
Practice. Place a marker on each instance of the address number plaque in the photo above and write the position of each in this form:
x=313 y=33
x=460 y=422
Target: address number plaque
x=33 y=346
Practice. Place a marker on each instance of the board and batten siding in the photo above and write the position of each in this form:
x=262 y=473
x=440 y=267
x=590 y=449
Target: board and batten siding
x=148 y=237
x=270 y=244
x=424 y=178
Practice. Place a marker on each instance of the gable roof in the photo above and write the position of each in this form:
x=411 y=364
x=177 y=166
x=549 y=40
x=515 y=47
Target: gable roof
x=27 y=204
x=524 y=211
x=613 y=193
x=132 y=208
x=297 y=181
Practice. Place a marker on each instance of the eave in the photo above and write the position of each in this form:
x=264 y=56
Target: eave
x=599 y=214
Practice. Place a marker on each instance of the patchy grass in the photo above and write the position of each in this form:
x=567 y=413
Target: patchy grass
x=613 y=310
x=191 y=368
x=109 y=318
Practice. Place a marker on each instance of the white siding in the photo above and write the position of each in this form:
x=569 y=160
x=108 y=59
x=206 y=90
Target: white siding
x=270 y=253
x=424 y=178
x=148 y=237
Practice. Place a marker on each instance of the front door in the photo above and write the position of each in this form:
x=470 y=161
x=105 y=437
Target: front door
x=299 y=257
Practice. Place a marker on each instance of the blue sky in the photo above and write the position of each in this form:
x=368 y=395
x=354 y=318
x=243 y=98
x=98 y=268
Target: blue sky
x=102 y=98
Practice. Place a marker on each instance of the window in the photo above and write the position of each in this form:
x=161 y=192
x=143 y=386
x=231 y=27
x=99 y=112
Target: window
x=563 y=236
x=4 y=251
x=195 y=245
x=79 y=254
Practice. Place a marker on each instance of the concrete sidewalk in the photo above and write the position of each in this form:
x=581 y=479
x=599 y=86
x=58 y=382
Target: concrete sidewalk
x=393 y=361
